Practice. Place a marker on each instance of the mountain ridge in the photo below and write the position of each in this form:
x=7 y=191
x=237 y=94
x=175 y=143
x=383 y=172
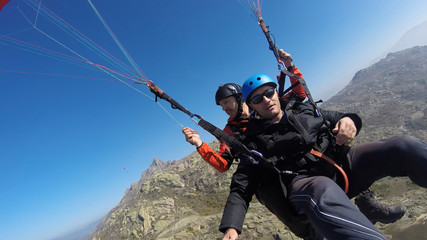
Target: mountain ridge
x=184 y=199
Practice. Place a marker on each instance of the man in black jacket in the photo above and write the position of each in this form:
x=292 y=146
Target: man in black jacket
x=288 y=136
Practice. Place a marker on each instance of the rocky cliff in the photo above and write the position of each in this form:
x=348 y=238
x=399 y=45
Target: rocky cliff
x=181 y=201
x=184 y=199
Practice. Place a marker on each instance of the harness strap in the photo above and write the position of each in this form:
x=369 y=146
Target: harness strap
x=302 y=82
x=235 y=144
x=282 y=84
x=329 y=160
x=288 y=89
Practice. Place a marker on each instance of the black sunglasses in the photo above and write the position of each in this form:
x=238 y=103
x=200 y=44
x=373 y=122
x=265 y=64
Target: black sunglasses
x=258 y=98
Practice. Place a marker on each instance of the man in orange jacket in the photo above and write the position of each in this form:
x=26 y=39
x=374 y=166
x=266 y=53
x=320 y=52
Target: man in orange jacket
x=229 y=97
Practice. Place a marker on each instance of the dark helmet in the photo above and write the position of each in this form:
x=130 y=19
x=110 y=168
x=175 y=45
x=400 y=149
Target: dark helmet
x=227 y=90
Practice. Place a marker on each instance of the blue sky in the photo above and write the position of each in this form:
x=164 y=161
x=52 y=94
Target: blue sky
x=69 y=147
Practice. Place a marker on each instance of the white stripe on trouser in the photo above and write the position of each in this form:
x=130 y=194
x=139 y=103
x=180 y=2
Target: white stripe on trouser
x=322 y=216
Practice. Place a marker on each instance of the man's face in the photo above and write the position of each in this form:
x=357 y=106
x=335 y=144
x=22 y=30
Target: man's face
x=268 y=108
x=230 y=106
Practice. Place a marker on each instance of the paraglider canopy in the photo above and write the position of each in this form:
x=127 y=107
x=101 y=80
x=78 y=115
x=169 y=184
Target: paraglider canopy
x=2 y=3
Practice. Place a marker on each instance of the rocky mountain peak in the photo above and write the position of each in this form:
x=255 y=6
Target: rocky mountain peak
x=157 y=162
x=155 y=166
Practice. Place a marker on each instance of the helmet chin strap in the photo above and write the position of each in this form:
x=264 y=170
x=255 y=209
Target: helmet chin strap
x=239 y=100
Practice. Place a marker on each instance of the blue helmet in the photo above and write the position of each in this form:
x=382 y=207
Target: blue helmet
x=254 y=82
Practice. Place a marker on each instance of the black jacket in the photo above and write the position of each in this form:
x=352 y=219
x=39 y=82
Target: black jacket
x=285 y=145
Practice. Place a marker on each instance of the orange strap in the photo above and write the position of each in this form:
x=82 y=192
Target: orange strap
x=328 y=159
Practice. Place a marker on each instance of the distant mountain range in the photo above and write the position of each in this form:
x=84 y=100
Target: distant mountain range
x=390 y=95
x=416 y=36
x=184 y=199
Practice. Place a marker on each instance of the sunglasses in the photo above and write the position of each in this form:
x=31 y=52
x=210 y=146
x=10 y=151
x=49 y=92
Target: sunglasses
x=258 y=98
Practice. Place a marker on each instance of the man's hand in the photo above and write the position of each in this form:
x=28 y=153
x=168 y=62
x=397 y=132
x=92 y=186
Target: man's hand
x=285 y=57
x=230 y=234
x=192 y=136
x=345 y=131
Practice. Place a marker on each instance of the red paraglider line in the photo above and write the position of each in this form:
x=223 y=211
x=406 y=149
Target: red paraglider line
x=143 y=79
x=100 y=66
x=42 y=48
x=81 y=34
x=116 y=39
x=73 y=58
x=58 y=75
x=256 y=8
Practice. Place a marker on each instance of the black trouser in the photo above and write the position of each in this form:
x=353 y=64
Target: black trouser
x=278 y=204
x=329 y=209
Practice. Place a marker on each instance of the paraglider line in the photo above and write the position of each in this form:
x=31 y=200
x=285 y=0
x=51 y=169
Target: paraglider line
x=66 y=27
x=57 y=75
x=119 y=44
x=25 y=16
x=55 y=18
x=170 y=115
x=19 y=31
x=37 y=15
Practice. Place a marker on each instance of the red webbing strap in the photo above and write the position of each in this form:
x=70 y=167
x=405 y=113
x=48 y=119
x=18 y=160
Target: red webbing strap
x=329 y=160
x=162 y=95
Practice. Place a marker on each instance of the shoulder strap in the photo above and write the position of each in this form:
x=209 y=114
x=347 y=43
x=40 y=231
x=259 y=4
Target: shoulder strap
x=299 y=81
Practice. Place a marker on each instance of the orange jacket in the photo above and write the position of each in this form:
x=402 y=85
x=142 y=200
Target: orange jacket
x=222 y=160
